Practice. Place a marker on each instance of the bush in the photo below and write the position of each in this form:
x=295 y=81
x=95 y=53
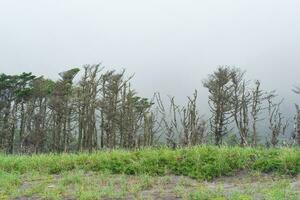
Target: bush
x=200 y=162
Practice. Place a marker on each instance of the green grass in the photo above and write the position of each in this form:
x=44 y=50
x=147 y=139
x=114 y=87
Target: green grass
x=81 y=185
x=271 y=174
x=203 y=162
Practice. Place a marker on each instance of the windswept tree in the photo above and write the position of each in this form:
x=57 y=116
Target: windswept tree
x=35 y=122
x=296 y=134
x=61 y=108
x=111 y=102
x=87 y=103
x=103 y=111
x=136 y=118
x=170 y=121
x=220 y=87
x=193 y=125
x=277 y=123
x=13 y=91
x=151 y=128
x=182 y=125
x=7 y=91
x=257 y=100
x=241 y=100
x=110 y=113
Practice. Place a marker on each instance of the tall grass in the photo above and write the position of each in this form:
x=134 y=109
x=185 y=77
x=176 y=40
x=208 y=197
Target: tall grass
x=201 y=162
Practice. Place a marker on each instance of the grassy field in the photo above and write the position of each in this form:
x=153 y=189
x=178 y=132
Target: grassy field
x=191 y=173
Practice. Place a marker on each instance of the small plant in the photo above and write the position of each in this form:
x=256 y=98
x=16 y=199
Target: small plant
x=200 y=162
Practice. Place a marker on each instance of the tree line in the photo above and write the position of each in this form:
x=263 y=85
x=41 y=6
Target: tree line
x=102 y=111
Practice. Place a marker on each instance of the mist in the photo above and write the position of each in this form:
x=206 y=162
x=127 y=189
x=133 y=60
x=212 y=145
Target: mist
x=170 y=46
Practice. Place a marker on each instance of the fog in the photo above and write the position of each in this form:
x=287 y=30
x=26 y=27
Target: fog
x=169 y=45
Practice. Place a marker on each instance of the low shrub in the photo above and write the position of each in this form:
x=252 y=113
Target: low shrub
x=200 y=162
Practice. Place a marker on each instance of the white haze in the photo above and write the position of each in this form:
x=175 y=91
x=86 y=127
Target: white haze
x=170 y=45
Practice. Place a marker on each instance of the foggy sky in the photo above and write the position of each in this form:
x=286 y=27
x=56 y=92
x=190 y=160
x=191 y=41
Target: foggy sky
x=170 y=45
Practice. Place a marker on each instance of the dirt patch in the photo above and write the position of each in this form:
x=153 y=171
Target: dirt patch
x=176 y=187
x=165 y=188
